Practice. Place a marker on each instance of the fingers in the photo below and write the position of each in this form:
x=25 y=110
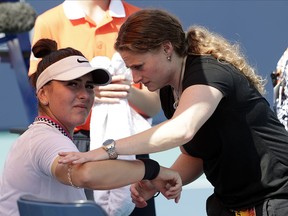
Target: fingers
x=117 y=87
x=107 y=100
x=173 y=192
x=137 y=199
x=169 y=184
x=140 y=204
x=112 y=93
x=142 y=191
x=118 y=78
x=71 y=157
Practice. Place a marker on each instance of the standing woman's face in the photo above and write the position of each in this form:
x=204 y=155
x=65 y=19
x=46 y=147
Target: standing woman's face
x=151 y=68
x=69 y=102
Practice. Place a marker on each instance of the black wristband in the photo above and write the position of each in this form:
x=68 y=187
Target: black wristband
x=152 y=168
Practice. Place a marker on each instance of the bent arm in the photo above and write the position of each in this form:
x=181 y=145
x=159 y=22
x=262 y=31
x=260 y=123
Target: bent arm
x=144 y=102
x=196 y=105
x=190 y=168
x=110 y=174
x=100 y=175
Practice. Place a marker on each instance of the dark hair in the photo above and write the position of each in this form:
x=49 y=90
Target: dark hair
x=148 y=29
x=47 y=50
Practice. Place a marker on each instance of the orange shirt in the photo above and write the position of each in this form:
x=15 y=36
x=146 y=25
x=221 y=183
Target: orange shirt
x=68 y=25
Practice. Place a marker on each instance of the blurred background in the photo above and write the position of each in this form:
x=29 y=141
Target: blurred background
x=259 y=26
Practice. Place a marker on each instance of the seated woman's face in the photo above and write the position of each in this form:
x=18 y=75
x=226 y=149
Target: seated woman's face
x=69 y=102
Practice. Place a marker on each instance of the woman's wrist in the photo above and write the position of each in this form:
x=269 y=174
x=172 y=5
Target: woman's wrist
x=152 y=168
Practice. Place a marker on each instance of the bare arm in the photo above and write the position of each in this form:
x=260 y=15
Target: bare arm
x=110 y=174
x=145 y=102
x=196 y=105
x=101 y=174
x=189 y=168
x=191 y=172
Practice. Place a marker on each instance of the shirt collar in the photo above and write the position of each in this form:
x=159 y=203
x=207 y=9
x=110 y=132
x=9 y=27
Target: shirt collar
x=73 y=11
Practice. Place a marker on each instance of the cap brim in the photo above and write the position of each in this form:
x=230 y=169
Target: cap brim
x=101 y=76
x=71 y=68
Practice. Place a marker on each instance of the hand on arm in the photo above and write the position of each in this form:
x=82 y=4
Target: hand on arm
x=197 y=102
x=144 y=190
x=168 y=182
x=98 y=175
x=82 y=157
x=141 y=192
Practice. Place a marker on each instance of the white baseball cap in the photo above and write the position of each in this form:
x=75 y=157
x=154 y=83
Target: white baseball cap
x=71 y=68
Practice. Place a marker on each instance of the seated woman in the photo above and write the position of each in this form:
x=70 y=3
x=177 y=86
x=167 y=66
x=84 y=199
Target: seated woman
x=64 y=83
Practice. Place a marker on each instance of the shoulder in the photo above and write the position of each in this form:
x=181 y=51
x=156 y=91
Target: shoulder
x=210 y=66
x=45 y=136
x=206 y=70
x=49 y=23
x=51 y=13
x=43 y=143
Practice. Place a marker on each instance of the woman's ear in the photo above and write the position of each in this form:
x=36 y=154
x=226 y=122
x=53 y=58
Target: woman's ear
x=42 y=97
x=167 y=48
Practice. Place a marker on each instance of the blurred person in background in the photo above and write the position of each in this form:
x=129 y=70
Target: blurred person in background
x=280 y=88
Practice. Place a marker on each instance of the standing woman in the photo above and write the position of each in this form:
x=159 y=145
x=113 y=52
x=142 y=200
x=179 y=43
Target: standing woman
x=216 y=113
x=64 y=82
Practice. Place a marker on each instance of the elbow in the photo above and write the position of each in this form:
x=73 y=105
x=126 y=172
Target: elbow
x=85 y=177
x=186 y=135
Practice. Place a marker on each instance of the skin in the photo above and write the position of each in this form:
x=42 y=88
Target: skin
x=120 y=88
x=144 y=190
x=197 y=102
x=95 y=9
x=69 y=103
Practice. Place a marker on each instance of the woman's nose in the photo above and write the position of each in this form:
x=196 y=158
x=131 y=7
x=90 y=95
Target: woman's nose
x=136 y=77
x=85 y=93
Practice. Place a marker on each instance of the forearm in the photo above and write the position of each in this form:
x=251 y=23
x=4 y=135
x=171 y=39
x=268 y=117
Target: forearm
x=190 y=115
x=103 y=175
x=145 y=102
x=164 y=136
x=191 y=172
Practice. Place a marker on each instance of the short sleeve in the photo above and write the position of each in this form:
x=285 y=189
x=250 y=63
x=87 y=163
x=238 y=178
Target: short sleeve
x=45 y=145
x=209 y=71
